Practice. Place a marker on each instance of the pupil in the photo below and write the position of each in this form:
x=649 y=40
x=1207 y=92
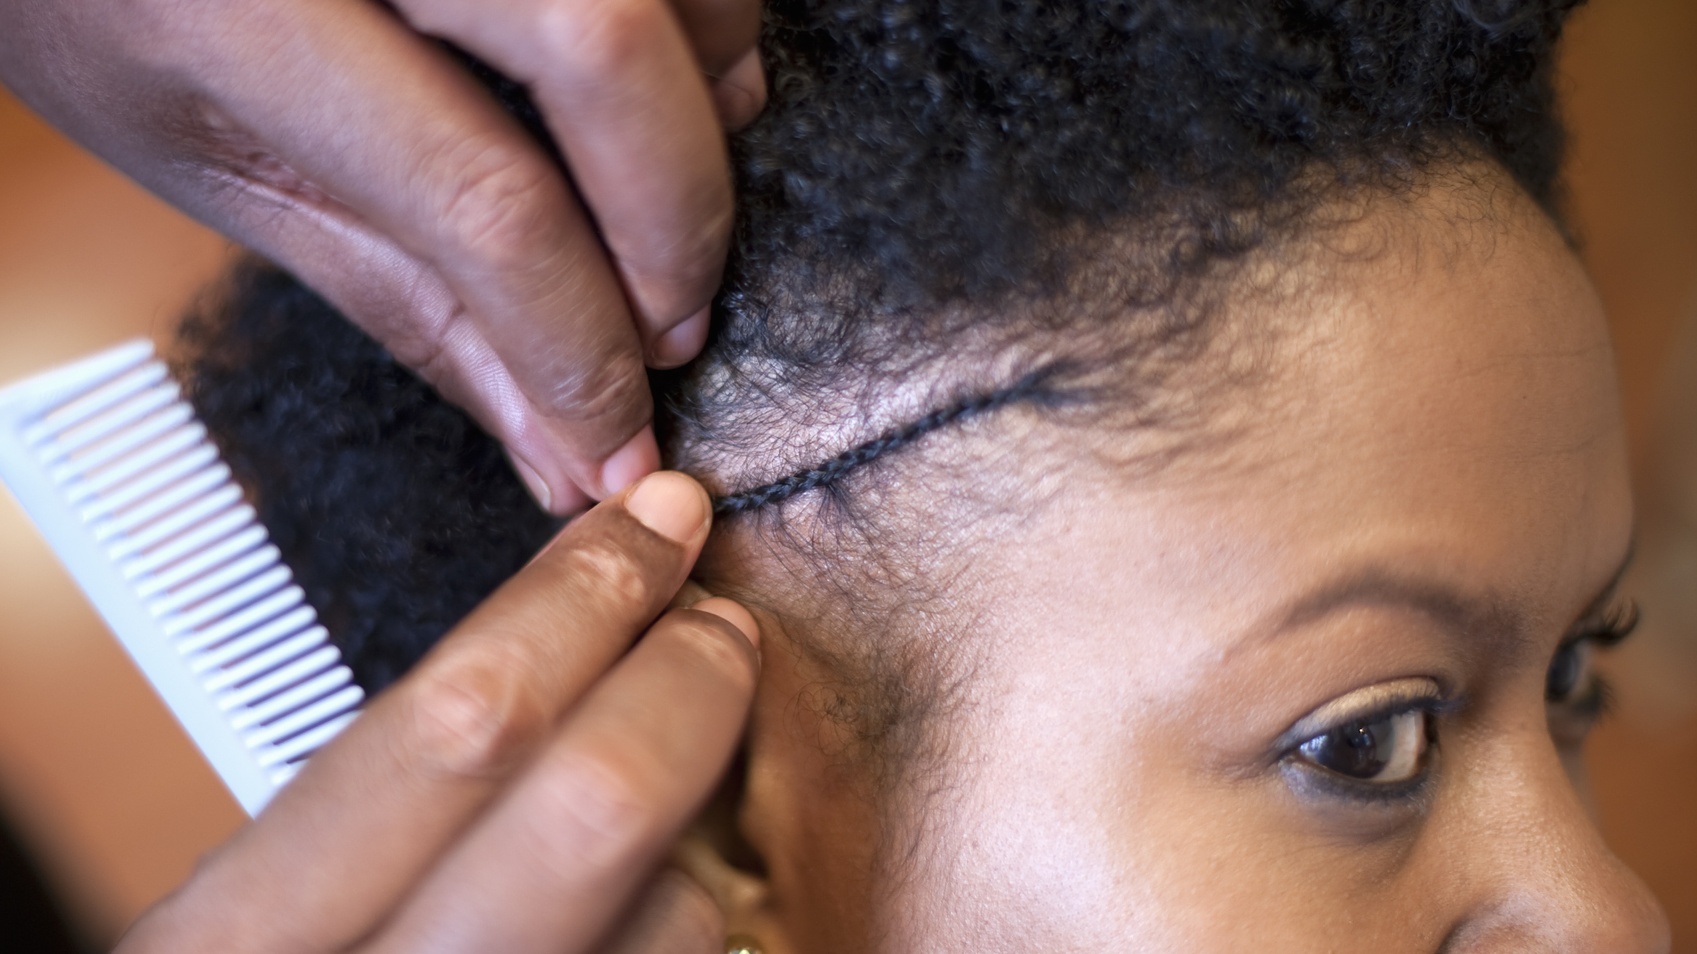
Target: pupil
x=1563 y=676
x=1354 y=750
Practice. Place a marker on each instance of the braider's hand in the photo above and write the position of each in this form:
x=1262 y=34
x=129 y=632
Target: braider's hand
x=516 y=791
x=337 y=140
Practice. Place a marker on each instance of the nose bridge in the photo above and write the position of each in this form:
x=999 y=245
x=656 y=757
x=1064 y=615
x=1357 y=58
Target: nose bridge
x=1544 y=879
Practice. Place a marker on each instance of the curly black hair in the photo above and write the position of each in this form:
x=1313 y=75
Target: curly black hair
x=948 y=208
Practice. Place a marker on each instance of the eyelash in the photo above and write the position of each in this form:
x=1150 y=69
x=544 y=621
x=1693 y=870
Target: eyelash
x=1609 y=628
x=1602 y=632
x=1325 y=782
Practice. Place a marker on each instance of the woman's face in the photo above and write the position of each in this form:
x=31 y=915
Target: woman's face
x=1318 y=686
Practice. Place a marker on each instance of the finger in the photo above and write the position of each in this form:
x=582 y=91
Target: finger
x=724 y=35
x=739 y=94
x=676 y=916
x=721 y=33
x=380 y=123
x=623 y=94
x=334 y=852
x=554 y=861
x=406 y=303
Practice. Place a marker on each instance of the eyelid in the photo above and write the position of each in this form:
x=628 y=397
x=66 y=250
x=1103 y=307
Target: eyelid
x=1607 y=625
x=1385 y=698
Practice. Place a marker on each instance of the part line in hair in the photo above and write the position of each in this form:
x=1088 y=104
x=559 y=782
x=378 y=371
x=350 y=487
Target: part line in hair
x=840 y=466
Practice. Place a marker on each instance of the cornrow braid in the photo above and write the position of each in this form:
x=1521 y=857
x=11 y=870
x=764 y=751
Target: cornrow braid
x=1029 y=387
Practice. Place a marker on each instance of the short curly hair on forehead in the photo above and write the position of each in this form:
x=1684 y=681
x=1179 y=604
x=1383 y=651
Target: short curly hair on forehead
x=936 y=186
x=949 y=209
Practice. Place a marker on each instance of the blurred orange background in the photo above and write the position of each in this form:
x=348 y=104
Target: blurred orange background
x=117 y=806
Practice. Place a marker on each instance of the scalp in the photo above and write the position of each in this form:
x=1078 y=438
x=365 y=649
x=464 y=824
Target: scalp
x=941 y=198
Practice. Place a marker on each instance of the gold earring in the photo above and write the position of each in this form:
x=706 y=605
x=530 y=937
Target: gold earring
x=742 y=944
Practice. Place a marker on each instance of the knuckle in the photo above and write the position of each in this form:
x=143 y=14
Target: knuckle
x=473 y=715
x=498 y=206
x=598 y=390
x=609 y=575
x=592 y=40
x=693 y=258
x=596 y=808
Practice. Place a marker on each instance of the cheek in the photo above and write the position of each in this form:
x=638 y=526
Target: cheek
x=1015 y=857
x=1118 y=839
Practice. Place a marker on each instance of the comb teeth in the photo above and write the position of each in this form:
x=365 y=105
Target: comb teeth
x=108 y=458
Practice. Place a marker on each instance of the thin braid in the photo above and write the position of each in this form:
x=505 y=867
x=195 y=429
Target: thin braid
x=840 y=466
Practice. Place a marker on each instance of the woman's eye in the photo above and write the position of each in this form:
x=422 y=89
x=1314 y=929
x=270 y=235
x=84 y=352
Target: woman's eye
x=1576 y=695
x=1569 y=672
x=1381 y=749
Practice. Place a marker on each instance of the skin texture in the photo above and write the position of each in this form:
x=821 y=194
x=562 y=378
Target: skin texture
x=339 y=140
x=519 y=788
x=1428 y=483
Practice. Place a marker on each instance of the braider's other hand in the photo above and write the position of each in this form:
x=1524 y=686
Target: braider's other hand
x=339 y=139
x=517 y=790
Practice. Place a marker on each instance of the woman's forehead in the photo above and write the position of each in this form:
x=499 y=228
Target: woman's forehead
x=1451 y=408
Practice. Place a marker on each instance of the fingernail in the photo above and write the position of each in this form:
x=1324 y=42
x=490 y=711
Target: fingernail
x=637 y=459
x=733 y=613
x=532 y=480
x=669 y=504
x=682 y=343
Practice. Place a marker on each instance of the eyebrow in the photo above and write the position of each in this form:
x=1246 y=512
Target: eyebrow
x=1487 y=615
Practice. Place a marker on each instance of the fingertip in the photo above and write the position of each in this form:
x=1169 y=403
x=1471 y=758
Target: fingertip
x=561 y=501
x=532 y=481
x=682 y=342
x=732 y=612
x=670 y=504
x=739 y=94
x=571 y=502
x=639 y=457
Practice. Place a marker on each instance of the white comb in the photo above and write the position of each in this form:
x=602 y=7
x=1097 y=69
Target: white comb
x=107 y=458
